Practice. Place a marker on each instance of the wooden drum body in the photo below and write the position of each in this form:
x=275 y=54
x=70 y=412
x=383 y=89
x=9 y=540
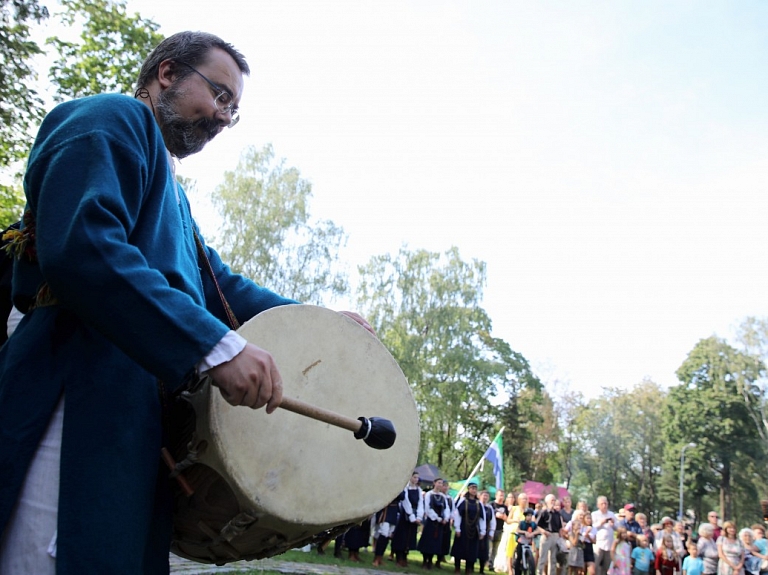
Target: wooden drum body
x=264 y=484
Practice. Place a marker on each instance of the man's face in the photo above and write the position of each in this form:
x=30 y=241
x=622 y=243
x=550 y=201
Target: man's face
x=485 y=497
x=629 y=514
x=186 y=112
x=566 y=503
x=712 y=517
x=602 y=505
x=472 y=490
x=499 y=496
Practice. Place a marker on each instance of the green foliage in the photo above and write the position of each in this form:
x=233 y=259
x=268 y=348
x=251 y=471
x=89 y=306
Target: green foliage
x=714 y=407
x=11 y=205
x=425 y=307
x=20 y=106
x=267 y=234
x=617 y=445
x=110 y=52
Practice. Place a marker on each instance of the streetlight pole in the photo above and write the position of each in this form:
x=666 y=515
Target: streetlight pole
x=682 y=465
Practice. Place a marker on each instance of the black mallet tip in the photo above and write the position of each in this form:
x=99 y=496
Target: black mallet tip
x=377 y=432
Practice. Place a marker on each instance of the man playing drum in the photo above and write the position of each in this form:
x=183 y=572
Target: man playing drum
x=119 y=318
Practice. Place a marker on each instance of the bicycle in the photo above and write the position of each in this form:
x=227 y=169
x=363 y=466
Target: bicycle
x=524 y=562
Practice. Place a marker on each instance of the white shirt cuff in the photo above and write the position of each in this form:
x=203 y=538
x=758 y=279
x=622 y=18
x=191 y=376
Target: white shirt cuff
x=227 y=348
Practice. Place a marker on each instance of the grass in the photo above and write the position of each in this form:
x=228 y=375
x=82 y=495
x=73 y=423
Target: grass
x=366 y=562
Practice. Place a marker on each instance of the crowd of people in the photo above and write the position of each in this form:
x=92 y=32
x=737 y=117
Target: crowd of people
x=512 y=536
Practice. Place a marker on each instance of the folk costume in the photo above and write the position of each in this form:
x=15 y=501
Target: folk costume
x=411 y=511
x=356 y=537
x=484 y=545
x=105 y=215
x=385 y=522
x=469 y=524
x=446 y=547
x=435 y=522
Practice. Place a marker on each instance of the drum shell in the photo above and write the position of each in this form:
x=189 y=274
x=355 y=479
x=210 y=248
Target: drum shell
x=267 y=483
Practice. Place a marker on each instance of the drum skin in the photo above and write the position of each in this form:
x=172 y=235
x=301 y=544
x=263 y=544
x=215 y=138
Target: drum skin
x=267 y=483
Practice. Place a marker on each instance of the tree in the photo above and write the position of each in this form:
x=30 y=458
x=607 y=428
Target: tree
x=21 y=108
x=108 y=58
x=110 y=52
x=267 y=234
x=709 y=408
x=616 y=445
x=752 y=334
x=425 y=307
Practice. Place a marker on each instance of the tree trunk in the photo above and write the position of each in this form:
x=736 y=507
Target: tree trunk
x=725 y=491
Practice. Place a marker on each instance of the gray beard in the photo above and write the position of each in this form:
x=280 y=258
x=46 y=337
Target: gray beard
x=183 y=137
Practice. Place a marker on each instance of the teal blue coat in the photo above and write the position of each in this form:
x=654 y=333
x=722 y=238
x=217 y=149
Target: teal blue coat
x=114 y=240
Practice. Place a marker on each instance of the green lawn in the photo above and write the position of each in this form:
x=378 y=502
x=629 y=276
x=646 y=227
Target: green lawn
x=366 y=562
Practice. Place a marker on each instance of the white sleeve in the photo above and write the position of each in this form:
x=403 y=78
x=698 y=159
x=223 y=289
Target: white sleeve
x=491 y=522
x=420 y=510
x=405 y=504
x=447 y=509
x=13 y=321
x=227 y=348
x=428 y=506
x=457 y=517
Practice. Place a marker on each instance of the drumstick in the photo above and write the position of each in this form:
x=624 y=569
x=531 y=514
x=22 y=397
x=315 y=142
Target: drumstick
x=376 y=432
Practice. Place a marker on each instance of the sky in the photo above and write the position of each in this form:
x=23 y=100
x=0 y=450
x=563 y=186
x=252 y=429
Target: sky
x=606 y=159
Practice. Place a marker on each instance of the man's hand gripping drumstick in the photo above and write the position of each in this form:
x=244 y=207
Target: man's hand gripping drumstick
x=252 y=379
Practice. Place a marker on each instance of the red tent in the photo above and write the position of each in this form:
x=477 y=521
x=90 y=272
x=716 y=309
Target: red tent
x=538 y=491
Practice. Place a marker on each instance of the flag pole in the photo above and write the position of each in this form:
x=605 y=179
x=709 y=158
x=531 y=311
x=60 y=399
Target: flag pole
x=479 y=463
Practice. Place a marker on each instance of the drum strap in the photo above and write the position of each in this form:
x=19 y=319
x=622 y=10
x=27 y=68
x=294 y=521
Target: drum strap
x=233 y=323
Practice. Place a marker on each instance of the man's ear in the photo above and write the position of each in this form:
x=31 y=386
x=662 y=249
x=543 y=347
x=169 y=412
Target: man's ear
x=166 y=73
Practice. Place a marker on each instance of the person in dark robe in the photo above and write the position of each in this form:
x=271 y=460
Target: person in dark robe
x=411 y=514
x=357 y=537
x=469 y=524
x=446 y=547
x=436 y=518
x=490 y=529
x=385 y=522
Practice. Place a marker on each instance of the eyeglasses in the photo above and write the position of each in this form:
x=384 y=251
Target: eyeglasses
x=224 y=101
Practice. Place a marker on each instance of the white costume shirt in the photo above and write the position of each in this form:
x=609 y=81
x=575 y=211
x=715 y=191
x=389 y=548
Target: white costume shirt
x=410 y=512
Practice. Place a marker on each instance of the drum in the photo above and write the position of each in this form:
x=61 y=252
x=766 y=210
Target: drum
x=264 y=484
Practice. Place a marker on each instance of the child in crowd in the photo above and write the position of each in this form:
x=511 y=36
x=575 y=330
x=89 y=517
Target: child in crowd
x=527 y=530
x=576 y=550
x=667 y=559
x=620 y=553
x=693 y=564
x=642 y=557
x=588 y=535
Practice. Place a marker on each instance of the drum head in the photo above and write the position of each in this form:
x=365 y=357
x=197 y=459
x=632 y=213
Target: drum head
x=302 y=470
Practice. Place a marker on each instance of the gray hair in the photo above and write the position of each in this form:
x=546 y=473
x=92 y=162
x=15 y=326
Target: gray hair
x=189 y=47
x=747 y=531
x=706 y=530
